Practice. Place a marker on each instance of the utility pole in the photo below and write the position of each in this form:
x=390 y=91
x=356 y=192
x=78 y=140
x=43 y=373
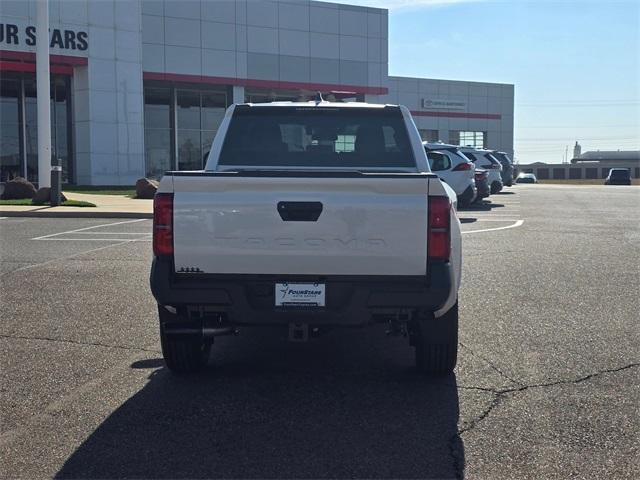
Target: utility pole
x=43 y=93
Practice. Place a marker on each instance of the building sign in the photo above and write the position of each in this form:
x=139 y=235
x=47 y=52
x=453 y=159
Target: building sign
x=442 y=104
x=63 y=39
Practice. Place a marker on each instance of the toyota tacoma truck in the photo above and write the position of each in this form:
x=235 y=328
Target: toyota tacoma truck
x=308 y=217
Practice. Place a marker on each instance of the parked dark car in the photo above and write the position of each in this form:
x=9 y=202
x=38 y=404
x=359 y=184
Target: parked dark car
x=507 y=167
x=618 y=176
x=482 y=184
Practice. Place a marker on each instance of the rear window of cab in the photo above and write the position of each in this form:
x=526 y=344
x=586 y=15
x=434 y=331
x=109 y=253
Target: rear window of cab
x=374 y=138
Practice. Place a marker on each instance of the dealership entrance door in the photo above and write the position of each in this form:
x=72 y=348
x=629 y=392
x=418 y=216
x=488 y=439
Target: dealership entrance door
x=19 y=126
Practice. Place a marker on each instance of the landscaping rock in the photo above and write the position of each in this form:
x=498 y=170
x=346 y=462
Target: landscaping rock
x=17 y=189
x=146 y=188
x=43 y=195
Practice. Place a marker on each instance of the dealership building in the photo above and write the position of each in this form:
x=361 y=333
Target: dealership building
x=140 y=87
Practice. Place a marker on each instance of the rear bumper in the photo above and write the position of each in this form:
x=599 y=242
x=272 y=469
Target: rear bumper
x=250 y=299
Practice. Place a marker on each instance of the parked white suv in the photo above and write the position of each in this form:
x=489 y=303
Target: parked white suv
x=454 y=169
x=309 y=216
x=484 y=159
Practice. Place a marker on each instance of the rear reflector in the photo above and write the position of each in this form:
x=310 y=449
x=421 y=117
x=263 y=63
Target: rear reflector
x=463 y=166
x=163 y=224
x=439 y=236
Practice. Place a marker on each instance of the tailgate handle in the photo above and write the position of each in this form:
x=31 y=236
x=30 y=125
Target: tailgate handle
x=299 y=211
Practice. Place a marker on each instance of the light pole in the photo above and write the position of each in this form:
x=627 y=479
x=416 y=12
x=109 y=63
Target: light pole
x=43 y=93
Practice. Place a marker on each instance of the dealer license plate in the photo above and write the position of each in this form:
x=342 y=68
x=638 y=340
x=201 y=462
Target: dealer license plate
x=303 y=294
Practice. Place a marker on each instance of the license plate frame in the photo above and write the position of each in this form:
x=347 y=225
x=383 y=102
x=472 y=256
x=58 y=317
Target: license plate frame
x=300 y=294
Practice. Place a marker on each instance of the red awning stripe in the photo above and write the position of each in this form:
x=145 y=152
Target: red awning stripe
x=30 y=57
x=483 y=116
x=31 y=68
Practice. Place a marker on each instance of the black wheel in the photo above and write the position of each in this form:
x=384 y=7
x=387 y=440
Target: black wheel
x=436 y=342
x=182 y=353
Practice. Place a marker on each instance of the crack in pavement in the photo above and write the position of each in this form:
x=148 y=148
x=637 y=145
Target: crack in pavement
x=455 y=442
x=491 y=364
x=76 y=342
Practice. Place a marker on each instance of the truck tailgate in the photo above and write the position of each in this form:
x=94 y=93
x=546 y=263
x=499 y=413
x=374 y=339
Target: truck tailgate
x=307 y=225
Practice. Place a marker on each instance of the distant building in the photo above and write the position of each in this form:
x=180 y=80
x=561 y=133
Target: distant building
x=577 y=149
x=607 y=156
x=588 y=165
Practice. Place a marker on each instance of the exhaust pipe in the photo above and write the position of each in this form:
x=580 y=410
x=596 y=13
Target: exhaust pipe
x=210 y=332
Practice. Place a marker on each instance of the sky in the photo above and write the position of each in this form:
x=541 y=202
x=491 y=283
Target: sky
x=575 y=64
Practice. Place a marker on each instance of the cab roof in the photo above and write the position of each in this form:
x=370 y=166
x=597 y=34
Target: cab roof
x=313 y=103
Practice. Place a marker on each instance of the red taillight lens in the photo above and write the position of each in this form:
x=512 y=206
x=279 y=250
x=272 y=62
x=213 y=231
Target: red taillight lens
x=463 y=166
x=439 y=238
x=163 y=224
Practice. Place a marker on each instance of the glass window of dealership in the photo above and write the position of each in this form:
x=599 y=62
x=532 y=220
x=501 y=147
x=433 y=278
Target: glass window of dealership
x=19 y=126
x=180 y=120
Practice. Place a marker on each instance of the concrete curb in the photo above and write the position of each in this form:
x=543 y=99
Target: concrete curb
x=75 y=214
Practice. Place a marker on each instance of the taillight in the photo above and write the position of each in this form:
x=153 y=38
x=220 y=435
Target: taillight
x=463 y=166
x=439 y=236
x=163 y=224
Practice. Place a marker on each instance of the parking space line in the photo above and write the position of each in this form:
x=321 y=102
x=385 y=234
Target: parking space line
x=487 y=219
x=112 y=233
x=45 y=237
x=472 y=215
x=27 y=267
x=123 y=240
x=514 y=225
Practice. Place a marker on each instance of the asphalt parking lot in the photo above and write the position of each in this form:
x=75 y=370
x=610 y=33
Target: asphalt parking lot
x=547 y=383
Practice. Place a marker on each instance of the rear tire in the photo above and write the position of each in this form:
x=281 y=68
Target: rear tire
x=436 y=342
x=183 y=354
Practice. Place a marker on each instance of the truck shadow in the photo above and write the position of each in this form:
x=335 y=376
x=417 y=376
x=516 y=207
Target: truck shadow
x=281 y=411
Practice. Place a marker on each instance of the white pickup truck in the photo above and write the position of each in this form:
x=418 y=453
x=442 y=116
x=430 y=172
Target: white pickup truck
x=308 y=216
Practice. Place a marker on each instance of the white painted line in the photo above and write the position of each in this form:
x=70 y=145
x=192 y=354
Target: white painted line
x=114 y=233
x=496 y=220
x=27 y=267
x=89 y=228
x=513 y=214
x=514 y=225
x=124 y=240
